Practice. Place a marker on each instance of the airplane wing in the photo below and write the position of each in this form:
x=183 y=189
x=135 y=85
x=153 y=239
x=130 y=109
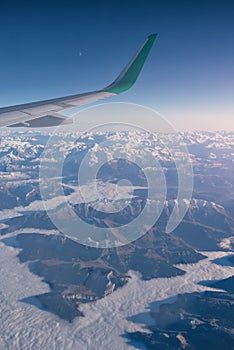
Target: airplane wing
x=46 y=113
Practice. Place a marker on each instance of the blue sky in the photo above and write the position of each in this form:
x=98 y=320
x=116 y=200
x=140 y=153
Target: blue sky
x=51 y=49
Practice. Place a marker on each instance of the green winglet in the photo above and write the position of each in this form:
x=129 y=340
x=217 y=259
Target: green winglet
x=130 y=73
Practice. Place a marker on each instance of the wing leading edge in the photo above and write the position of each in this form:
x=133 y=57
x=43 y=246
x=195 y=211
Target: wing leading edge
x=46 y=113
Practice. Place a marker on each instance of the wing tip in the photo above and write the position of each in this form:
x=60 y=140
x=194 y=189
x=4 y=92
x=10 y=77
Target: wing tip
x=130 y=73
x=152 y=36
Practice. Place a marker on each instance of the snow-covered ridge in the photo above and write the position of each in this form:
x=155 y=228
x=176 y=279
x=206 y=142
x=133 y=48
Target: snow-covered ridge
x=30 y=145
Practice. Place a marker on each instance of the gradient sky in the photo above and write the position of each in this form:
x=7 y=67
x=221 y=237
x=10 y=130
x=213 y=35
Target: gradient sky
x=56 y=48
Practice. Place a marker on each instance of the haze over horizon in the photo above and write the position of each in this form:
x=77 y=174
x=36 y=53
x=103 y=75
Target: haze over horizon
x=50 y=50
